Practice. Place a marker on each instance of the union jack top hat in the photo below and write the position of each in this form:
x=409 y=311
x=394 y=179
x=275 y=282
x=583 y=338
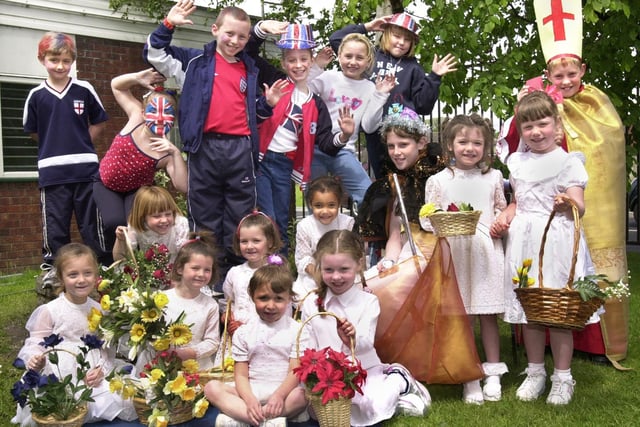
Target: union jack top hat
x=405 y=21
x=560 y=28
x=298 y=36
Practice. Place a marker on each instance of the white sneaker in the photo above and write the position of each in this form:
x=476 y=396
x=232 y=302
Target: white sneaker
x=472 y=393
x=492 y=389
x=532 y=387
x=223 y=420
x=274 y=422
x=415 y=386
x=561 y=391
x=411 y=405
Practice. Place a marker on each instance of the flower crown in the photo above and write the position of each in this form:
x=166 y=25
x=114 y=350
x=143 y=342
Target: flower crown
x=406 y=119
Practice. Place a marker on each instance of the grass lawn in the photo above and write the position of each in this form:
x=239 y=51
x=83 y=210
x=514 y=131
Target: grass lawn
x=603 y=396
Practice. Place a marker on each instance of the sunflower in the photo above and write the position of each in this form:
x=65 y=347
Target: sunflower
x=137 y=333
x=179 y=334
x=150 y=315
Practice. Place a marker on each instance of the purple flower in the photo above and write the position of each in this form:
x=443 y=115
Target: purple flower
x=19 y=393
x=32 y=379
x=19 y=363
x=275 y=259
x=125 y=370
x=52 y=340
x=92 y=341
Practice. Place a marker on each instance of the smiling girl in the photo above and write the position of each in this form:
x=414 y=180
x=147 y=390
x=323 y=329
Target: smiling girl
x=194 y=269
x=468 y=150
x=154 y=219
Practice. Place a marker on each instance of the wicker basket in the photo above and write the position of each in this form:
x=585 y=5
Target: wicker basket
x=181 y=413
x=49 y=421
x=219 y=373
x=335 y=413
x=461 y=223
x=558 y=308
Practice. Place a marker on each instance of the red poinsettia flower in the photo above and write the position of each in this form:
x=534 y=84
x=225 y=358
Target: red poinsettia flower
x=452 y=208
x=330 y=383
x=310 y=361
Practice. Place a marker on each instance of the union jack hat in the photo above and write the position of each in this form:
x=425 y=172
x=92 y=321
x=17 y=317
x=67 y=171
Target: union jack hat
x=405 y=21
x=298 y=36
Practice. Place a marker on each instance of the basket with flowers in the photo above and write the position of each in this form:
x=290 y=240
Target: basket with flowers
x=167 y=391
x=133 y=314
x=571 y=306
x=331 y=379
x=458 y=220
x=56 y=397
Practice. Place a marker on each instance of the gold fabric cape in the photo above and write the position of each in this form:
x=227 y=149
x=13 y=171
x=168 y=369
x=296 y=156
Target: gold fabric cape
x=593 y=127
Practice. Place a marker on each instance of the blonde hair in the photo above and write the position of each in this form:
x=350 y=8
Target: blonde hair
x=369 y=49
x=338 y=242
x=451 y=127
x=149 y=200
x=563 y=61
x=385 y=40
x=72 y=251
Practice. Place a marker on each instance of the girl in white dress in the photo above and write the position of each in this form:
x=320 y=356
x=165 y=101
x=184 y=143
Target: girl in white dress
x=266 y=391
x=542 y=179
x=256 y=238
x=194 y=269
x=323 y=199
x=77 y=269
x=389 y=389
x=468 y=149
x=154 y=219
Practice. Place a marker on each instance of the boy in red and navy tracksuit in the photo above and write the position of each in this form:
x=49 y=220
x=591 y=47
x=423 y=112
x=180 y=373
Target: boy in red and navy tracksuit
x=218 y=121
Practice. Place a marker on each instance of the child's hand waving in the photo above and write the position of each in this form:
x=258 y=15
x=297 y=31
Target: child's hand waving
x=274 y=92
x=444 y=65
x=324 y=57
x=347 y=124
x=178 y=13
x=384 y=84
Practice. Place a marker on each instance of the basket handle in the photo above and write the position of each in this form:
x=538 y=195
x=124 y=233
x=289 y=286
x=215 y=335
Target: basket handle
x=225 y=334
x=296 y=313
x=322 y=313
x=576 y=240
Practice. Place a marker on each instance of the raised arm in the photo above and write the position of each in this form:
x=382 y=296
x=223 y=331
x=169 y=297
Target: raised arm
x=121 y=87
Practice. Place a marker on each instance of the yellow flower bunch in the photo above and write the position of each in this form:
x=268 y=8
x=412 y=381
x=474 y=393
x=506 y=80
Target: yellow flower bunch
x=427 y=210
x=522 y=278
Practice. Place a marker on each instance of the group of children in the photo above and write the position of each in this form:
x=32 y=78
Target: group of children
x=310 y=120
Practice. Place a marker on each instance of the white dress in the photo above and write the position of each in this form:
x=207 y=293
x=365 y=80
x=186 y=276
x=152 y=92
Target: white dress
x=70 y=321
x=203 y=315
x=478 y=259
x=380 y=391
x=308 y=231
x=536 y=179
x=174 y=239
x=236 y=290
x=267 y=348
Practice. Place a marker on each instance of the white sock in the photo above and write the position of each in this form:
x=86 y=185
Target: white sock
x=492 y=379
x=563 y=374
x=536 y=368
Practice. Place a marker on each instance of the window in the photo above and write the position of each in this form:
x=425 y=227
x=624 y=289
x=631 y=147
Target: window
x=19 y=152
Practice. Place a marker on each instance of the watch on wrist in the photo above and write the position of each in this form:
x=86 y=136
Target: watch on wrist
x=387 y=264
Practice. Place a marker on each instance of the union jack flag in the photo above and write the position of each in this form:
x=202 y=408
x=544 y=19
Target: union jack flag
x=159 y=115
x=293 y=120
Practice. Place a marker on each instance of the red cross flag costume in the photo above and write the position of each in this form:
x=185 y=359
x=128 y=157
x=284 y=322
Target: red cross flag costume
x=593 y=127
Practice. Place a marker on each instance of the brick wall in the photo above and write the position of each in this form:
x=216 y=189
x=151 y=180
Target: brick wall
x=99 y=60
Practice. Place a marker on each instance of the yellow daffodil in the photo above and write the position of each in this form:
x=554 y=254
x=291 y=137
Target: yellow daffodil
x=158 y=418
x=137 y=333
x=179 y=334
x=190 y=366
x=200 y=408
x=104 y=285
x=188 y=394
x=176 y=386
x=160 y=300
x=115 y=385
x=522 y=279
x=94 y=318
x=527 y=263
x=228 y=364
x=156 y=374
x=530 y=281
x=150 y=315
x=105 y=302
x=128 y=391
x=427 y=209
x=161 y=344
